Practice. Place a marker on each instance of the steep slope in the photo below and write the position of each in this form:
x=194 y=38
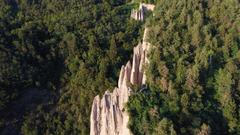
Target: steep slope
x=73 y=49
x=193 y=75
x=108 y=116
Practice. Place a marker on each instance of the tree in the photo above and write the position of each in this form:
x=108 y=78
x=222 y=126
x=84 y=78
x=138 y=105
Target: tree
x=164 y=127
x=224 y=90
x=205 y=130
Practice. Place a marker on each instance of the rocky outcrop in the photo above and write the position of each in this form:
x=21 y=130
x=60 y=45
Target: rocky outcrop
x=138 y=14
x=147 y=6
x=108 y=116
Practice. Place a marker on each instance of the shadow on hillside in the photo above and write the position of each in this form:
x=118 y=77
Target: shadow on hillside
x=27 y=102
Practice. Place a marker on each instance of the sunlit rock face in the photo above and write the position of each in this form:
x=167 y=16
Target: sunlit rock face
x=138 y=14
x=109 y=116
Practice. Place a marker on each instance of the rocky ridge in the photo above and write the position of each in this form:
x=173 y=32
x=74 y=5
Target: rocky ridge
x=138 y=14
x=108 y=115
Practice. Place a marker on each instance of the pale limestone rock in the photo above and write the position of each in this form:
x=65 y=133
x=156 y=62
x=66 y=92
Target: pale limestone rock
x=138 y=14
x=108 y=115
x=146 y=48
x=120 y=80
x=95 y=116
x=147 y=6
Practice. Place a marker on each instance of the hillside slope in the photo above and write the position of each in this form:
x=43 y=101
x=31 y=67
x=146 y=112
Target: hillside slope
x=71 y=50
x=194 y=72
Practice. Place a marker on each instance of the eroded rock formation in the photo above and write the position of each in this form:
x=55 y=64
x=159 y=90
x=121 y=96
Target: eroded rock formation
x=108 y=116
x=138 y=14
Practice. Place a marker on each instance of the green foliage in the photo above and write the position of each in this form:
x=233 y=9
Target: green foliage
x=164 y=127
x=74 y=49
x=193 y=70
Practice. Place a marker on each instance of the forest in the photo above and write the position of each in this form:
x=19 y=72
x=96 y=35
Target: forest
x=57 y=55
x=194 y=70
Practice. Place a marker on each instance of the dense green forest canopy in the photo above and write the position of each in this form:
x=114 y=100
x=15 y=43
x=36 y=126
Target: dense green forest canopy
x=55 y=56
x=194 y=70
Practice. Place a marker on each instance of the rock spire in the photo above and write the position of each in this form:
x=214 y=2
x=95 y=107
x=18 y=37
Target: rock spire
x=108 y=116
x=138 y=14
